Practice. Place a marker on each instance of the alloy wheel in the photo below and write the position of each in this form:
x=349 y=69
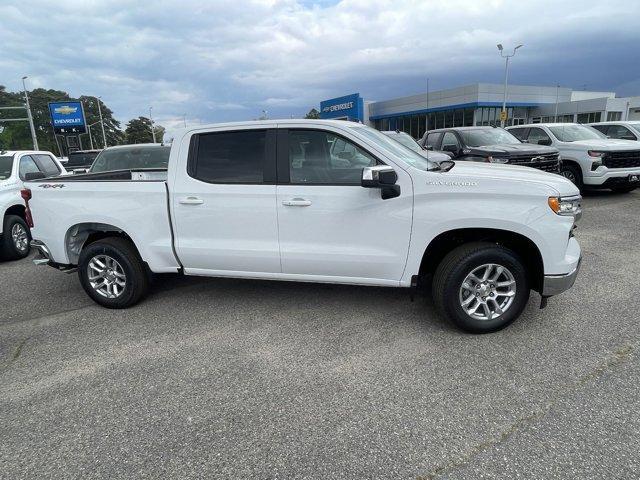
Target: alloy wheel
x=106 y=276
x=487 y=292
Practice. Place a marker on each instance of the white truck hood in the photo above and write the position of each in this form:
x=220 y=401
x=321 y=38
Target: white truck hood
x=514 y=173
x=603 y=144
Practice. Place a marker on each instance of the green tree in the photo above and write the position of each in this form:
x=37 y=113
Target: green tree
x=139 y=131
x=112 y=130
x=313 y=114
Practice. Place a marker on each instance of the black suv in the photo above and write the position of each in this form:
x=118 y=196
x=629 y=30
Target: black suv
x=81 y=159
x=493 y=145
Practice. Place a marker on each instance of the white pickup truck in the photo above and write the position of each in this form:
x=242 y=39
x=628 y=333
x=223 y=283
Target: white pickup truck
x=268 y=200
x=589 y=158
x=14 y=166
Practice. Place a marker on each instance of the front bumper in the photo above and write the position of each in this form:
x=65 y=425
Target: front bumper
x=556 y=284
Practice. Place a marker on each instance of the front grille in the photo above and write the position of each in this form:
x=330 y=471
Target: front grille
x=621 y=159
x=547 y=162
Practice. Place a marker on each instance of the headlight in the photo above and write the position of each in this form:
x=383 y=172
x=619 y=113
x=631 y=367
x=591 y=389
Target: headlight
x=594 y=153
x=566 y=206
x=498 y=160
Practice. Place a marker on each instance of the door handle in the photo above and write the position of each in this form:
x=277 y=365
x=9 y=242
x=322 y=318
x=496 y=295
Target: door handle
x=191 y=201
x=296 y=202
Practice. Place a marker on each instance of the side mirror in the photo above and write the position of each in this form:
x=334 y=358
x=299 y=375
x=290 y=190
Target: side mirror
x=544 y=142
x=428 y=147
x=447 y=165
x=382 y=177
x=34 y=176
x=451 y=148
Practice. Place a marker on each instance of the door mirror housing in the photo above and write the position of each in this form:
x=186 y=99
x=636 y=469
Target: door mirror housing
x=447 y=165
x=382 y=177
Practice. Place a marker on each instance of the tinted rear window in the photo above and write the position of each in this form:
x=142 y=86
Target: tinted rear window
x=126 y=158
x=6 y=164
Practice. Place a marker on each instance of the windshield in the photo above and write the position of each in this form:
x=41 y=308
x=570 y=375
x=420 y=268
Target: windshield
x=125 y=158
x=396 y=149
x=574 y=133
x=6 y=164
x=487 y=136
x=406 y=140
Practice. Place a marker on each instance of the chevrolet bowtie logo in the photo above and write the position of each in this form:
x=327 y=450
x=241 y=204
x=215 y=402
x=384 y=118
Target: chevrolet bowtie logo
x=65 y=110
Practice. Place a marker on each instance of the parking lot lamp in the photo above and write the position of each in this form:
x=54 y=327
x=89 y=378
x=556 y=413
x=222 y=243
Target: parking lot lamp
x=31 y=126
x=153 y=130
x=506 y=78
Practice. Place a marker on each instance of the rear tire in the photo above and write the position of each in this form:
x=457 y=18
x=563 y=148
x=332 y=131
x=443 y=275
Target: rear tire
x=573 y=173
x=454 y=287
x=16 y=238
x=624 y=189
x=112 y=273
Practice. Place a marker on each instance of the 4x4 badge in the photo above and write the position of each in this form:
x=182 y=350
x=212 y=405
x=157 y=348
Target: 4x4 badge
x=52 y=185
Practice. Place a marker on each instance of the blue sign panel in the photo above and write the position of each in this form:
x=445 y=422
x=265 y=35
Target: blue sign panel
x=67 y=117
x=349 y=107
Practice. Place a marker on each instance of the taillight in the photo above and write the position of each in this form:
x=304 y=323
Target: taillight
x=25 y=193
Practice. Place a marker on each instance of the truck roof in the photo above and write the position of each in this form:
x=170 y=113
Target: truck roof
x=274 y=122
x=13 y=152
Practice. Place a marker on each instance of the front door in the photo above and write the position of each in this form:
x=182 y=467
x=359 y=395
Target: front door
x=225 y=205
x=330 y=227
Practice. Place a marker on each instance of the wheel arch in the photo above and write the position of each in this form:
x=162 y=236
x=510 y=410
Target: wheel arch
x=447 y=241
x=83 y=234
x=16 y=209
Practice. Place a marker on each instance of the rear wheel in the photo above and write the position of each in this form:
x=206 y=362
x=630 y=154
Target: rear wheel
x=112 y=273
x=15 y=238
x=573 y=173
x=481 y=287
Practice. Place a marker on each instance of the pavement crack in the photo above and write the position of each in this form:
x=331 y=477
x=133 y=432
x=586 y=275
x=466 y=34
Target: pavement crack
x=18 y=349
x=619 y=356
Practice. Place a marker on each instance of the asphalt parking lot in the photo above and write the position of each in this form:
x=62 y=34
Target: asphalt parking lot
x=213 y=378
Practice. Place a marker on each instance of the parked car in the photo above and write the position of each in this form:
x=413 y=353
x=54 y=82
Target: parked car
x=14 y=168
x=619 y=130
x=589 y=158
x=269 y=200
x=139 y=156
x=80 y=161
x=491 y=145
x=409 y=142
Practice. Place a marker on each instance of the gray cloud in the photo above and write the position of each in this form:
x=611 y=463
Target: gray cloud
x=219 y=61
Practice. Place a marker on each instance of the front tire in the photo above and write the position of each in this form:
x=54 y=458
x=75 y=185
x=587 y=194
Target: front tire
x=112 y=273
x=15 y=238
x=573 y=173
x=481 y=287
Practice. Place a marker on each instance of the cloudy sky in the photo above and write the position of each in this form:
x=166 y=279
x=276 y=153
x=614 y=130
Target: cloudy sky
x=229 y=60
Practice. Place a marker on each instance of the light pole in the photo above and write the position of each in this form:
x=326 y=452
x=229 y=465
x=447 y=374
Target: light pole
x=184 y=118
x=153 y=130
x=503 y=116
x=26 y=100
x=104 y=137
x=555 y=118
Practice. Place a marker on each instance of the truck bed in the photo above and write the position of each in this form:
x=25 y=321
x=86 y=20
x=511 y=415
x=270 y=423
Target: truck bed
x=132 y=202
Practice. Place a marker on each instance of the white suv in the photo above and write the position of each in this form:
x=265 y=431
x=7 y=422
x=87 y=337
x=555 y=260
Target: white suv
x=589 y=158
x=14 y=168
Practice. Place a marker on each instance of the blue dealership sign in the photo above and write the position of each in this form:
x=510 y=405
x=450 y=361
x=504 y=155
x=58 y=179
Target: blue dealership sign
x=349 y=107
x=67 y=117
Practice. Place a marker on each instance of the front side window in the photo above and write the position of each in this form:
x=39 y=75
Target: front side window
x=47 y=165
x=537 y=136
x=432 y=139
x=519 y=133
x=231 y=157
x=27 y=165
x=575 y=133
x=317 y=157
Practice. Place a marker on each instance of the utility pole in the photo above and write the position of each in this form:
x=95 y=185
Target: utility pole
x=153 y=130
x=29 y=116
x=555 y=118
x=104 y=137
x=503 y=114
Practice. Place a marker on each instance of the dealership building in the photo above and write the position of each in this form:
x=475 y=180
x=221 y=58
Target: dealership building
x=480 y=104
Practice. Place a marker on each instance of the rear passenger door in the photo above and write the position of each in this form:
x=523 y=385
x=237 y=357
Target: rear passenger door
x=225 y=204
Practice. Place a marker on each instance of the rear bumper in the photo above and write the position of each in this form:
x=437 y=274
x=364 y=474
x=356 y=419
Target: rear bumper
x=556 y=284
